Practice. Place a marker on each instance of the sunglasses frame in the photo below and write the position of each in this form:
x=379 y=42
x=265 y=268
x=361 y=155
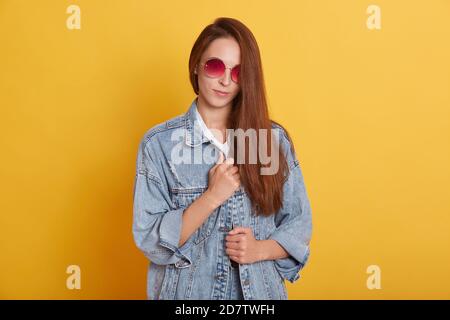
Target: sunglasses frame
x=231 y=68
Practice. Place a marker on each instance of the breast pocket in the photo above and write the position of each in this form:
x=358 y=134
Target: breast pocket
x=183 y=198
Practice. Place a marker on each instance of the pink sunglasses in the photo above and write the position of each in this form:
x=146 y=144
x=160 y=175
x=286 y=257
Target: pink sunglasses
x=215 y=68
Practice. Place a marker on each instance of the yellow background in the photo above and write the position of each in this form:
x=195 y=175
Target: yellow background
x=368 y=111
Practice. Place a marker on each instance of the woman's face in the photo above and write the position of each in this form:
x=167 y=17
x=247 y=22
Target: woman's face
x=227 y=50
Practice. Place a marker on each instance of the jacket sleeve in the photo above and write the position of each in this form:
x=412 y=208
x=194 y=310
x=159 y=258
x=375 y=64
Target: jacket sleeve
x=156 y=222
x=293 y=222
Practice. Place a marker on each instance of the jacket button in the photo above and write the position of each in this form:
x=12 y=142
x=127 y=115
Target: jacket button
x=246 y=282
x=181 y=263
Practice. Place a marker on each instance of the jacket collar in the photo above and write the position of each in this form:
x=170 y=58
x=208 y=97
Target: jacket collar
x=193 y=134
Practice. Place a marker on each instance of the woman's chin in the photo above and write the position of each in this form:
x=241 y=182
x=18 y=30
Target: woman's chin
x=216 y=103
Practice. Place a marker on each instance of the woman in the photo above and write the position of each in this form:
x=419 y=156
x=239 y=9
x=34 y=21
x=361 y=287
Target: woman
x=214 y=227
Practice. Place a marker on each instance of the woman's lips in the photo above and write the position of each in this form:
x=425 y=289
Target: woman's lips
x=221 y=93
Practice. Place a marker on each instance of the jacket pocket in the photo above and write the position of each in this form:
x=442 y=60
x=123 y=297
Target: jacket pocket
x=183 y=198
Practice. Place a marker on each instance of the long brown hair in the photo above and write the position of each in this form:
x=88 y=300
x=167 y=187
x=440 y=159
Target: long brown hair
x=249 y=111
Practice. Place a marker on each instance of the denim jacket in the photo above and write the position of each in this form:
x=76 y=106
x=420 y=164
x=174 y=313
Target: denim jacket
x=164 y=188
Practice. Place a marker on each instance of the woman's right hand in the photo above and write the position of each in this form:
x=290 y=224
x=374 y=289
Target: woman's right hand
x=223 y=180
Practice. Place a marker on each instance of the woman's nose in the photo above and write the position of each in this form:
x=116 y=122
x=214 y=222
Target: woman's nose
x=226 y=77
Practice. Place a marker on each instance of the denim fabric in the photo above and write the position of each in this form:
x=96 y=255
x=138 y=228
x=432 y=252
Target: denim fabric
x=234 y=289
x=200 y=269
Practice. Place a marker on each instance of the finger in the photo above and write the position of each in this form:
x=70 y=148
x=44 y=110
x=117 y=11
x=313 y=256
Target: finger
x=232 y=245
x=234 y=258
x=237 y=230
x=233 y=169
x=235 y=238
x=228 y=163
x=234 y=252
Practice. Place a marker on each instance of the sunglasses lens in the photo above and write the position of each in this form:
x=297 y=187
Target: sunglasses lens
x=235 y=73
x=214 y=68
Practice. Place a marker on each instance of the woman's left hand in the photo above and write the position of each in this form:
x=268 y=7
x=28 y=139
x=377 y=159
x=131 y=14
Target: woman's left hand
x=242 y=247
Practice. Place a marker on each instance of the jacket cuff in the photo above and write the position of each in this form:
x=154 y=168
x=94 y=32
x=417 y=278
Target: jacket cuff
x=289 y=267
x=170 y=233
